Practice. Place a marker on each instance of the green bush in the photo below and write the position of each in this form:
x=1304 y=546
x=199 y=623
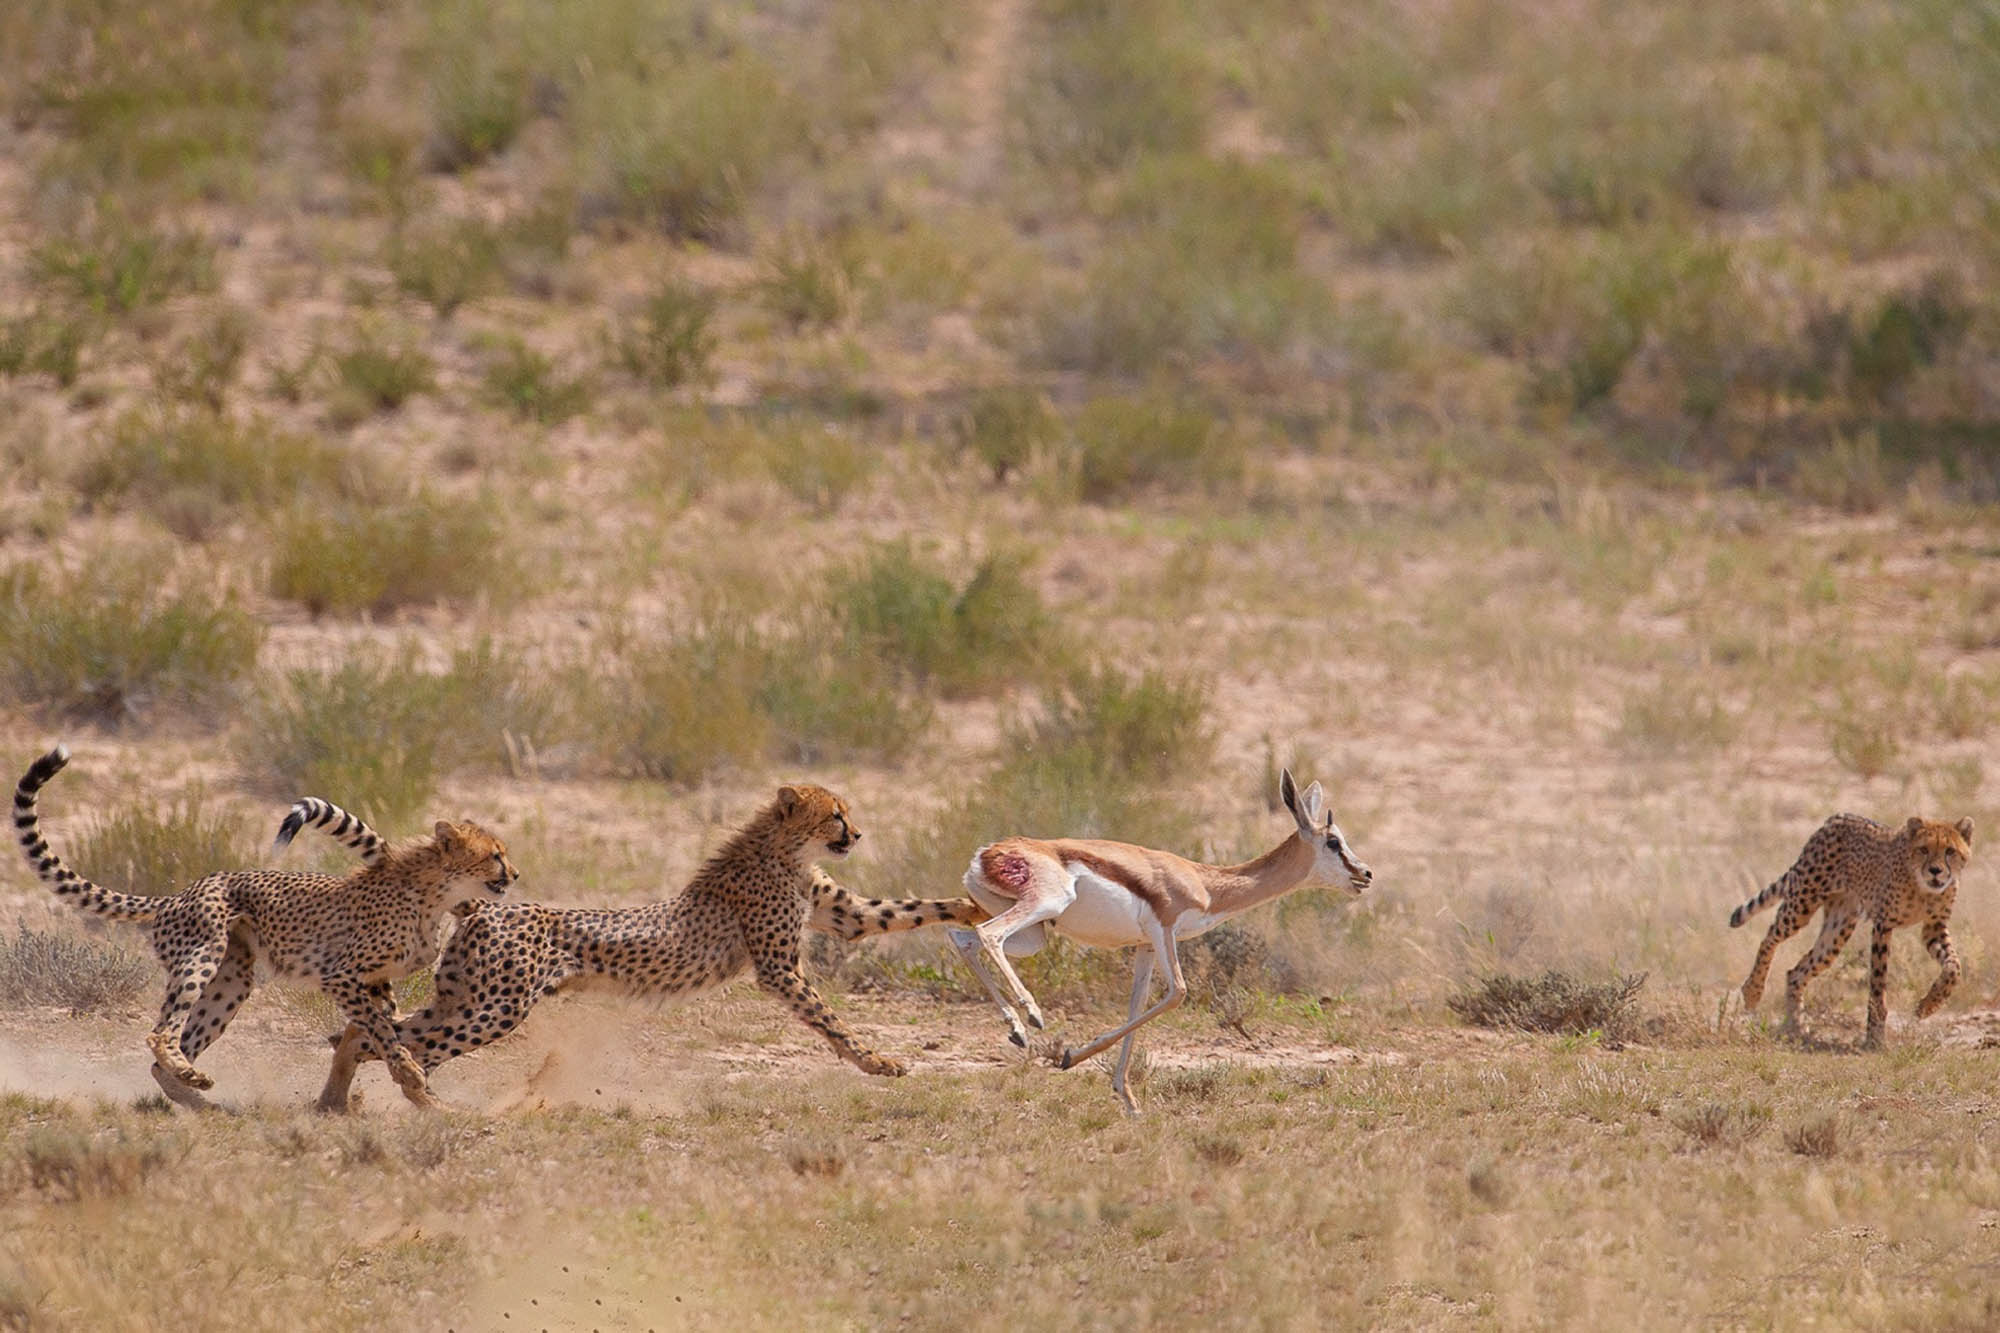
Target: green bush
x=378 y=372
x=112 y=637
x=1006 y=427
x=113 y=270
x=45 y=342
x=376 y=732
x=479 y=82
x=152 y=850
x=532 y=386
x=1122 y=445
x=683 y=153
x=201 y=368
x=899 y=610
x=350 y=558
x=157 y=456
x=447 y=264
x=805 y=285
x=669 y=343
x=1111 y=80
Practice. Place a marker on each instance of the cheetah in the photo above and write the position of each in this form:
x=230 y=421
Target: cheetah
x=747 y=906
x=352 y=934
x=1855 y=868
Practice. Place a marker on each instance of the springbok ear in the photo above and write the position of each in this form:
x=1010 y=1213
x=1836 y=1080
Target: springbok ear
x=1312 y=804
x=1965 y=829
x=788 y=799
x=447 y=834
x=1288 y=791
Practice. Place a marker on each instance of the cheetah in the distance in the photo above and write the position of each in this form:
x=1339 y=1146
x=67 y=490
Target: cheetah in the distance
x=1856 y=868
x=749 y=905
x=352 y=934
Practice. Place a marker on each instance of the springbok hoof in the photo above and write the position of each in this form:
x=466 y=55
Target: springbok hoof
x=1069 y=1059
x=1019 y=1039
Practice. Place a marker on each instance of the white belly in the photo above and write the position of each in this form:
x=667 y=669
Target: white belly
x=1104 y=915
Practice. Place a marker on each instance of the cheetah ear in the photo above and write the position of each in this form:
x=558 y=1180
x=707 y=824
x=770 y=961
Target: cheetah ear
x=788 y=800
x=447 y=834
x=1915 y=825
x=1965 y=829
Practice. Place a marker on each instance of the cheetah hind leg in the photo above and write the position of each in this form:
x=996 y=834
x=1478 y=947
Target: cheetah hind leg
x=187 y=981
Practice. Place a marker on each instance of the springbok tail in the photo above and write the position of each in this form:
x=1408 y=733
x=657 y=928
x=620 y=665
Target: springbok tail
x=66 y=882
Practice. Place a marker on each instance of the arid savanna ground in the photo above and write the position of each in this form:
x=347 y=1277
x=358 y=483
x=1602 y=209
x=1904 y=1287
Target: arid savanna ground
x=1569 y=433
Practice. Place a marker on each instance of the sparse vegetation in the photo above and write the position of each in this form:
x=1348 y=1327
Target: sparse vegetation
x=351 y=558
x=668 y=343
x=1553 y=1002
x=532 y=386
x=109 y=640
x=60 y=967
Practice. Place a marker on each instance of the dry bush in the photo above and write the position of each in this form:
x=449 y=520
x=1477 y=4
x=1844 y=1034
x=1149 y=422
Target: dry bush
x=150 y=849
x=351 y=558
x=52 y=967
x=67 y=1165
x=110 y=639
x=1553 y=1002
x=1817 y=1136
x=668 y=342
x=1719 y=1124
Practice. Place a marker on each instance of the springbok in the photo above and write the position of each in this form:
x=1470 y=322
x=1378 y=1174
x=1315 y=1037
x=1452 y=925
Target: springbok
x=1112 y=894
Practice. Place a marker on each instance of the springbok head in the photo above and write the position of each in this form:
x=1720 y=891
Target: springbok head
x=1333 y=860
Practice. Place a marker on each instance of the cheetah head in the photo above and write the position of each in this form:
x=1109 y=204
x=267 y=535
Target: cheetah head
x=817 y=818
x=475 y=859
x=1938 y=851
x=1333 y=859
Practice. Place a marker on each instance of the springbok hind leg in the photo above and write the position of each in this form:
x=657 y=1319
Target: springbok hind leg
x=1142 y=990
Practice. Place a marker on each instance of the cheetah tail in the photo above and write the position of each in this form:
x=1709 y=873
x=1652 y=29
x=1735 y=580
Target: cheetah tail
x=1756 y=904
x=66 y=882
x=351 y=831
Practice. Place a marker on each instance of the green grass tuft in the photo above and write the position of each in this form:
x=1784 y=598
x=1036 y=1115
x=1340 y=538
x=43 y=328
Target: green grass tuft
x=354 y=558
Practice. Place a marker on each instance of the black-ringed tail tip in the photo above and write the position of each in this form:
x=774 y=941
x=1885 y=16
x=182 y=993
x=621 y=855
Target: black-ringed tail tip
x=45 y=768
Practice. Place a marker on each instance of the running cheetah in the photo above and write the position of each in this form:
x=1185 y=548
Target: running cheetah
x=749 y=905
x=1855 y=867
x=353 y=934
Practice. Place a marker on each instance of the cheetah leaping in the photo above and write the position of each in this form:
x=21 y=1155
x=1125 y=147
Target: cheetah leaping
x=748 y=906
x=1856 y=868
x=352 y=934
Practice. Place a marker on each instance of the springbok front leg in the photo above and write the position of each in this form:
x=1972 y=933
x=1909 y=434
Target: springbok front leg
x=1142 y=990
x=1165 y=949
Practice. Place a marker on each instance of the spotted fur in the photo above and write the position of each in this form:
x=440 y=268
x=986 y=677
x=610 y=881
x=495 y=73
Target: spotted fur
x=747 y=907
x=1856 y=868
x=351 y=934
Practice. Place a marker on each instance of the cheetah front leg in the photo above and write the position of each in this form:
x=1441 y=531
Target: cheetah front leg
x=782 y=978
x=349 y=1049
x=1937 y=941
x=1878 y=987
x=837 y=912
x=368 y=1007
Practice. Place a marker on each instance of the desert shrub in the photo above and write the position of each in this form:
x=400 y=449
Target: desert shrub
x=902 y=611
x=1126 y=444
x=1674 y=717
x=532 y=386
x=376 y=732
x=723 y=693
x=49 y=967
x=69 y=1165
x=1553 y=1002
x=1715 y=1124
x=684 y=153
x=378 y=371
x=111 y=637
x=1848 y=473
x=44 y=342
x=1443 y=192
x=350 y=558
x=478 y=84
x=669 y=342
x=113 y=269
x=1110 y=81
x=1866 y=739
x=152 y=849
x=200 y=369
x=1006 y=427
x=1815 y=1137
x=819 y=463
x=1909 y=330
x=805 y=285
x=158 y=456
x=447 y=264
